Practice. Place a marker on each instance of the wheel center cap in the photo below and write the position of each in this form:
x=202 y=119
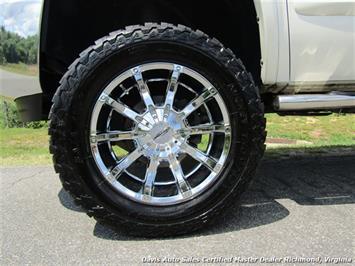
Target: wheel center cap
x=163 y=138
x=161 y=133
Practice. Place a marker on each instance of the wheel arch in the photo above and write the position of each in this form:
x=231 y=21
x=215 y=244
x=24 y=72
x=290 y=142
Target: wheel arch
x=68 y=27
x=274 y=41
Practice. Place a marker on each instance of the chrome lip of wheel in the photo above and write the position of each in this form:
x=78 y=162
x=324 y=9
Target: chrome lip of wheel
x=160 y=134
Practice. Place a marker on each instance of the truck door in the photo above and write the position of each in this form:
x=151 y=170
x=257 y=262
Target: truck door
x=322 y=41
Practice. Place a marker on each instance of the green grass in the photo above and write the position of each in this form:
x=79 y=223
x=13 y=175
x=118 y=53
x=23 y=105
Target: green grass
x=12 y=118
x=203 y=145
x=26 y=146
x=333 y=130
x=29 y=70
x=119 y=152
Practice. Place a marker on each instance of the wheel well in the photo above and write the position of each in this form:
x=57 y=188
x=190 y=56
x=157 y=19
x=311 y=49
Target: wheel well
x=68 y=27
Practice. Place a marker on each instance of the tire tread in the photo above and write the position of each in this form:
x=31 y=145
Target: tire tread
x=67 y=162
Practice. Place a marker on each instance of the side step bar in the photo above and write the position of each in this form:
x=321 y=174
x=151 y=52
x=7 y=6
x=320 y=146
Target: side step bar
x=301 y=102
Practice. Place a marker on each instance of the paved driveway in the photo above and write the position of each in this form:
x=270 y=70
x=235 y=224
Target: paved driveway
x=299 y=208
x=15 y=85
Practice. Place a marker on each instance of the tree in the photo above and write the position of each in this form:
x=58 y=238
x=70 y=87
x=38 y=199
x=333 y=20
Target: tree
x=17 y=49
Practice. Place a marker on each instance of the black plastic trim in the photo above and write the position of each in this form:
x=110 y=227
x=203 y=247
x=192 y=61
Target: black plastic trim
x=30 y=107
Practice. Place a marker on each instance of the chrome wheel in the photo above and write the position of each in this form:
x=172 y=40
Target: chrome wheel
x=156 y=149
x=160 y=133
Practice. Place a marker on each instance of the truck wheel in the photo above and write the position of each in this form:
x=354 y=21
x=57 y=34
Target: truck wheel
x=156 y=129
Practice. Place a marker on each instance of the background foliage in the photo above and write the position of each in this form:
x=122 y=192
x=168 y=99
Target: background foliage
x=9 y=116
x=17 y=49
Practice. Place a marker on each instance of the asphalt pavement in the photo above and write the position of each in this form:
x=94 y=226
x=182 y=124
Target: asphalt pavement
x=297 y=208
x=15 y=85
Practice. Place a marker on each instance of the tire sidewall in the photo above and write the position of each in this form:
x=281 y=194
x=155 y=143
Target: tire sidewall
x=127 y=58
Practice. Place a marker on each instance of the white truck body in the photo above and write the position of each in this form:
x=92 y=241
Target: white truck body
x=289 y=46
x=307 y=42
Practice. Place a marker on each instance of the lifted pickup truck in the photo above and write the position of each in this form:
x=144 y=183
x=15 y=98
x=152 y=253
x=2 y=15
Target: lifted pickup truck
x=159 y=126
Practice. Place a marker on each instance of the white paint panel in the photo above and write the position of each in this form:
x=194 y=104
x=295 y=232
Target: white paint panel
x=267 y=15
x=325 y=8
x=322 y=47
x=273 y=27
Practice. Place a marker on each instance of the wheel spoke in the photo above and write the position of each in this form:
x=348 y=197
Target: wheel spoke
x=125 y=162
x=123 y=110
x=144 y=92
x=159 y=134
x=150 y=175
x=172 y=86
x=198 y=101
x=114 y=136
x=201 y=157
x=179 y=176
x=204 y=129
